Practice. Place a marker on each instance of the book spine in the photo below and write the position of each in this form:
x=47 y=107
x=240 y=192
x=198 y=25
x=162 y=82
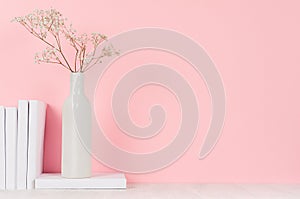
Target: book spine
x=37 y=116
x=22 y=144
x=2 y=148
x=11 y=147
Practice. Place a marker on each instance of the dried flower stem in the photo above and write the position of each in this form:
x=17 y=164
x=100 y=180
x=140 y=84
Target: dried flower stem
x=41 y=23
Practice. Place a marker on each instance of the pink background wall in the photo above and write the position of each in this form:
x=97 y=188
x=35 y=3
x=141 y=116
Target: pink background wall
x=255 y=45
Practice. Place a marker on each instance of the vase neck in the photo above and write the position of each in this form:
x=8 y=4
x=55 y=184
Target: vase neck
x=77 y=83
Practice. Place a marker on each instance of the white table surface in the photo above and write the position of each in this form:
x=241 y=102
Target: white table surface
x=172 y=191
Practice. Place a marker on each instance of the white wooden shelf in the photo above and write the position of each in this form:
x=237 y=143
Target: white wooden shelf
x=162 y=191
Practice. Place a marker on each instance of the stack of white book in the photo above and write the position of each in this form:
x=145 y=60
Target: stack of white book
x=21 y=144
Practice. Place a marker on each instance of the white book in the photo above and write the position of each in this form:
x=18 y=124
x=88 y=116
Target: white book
x=99 y=181
x=2 y=147
x=22 y=144
x=11 y=122
x=37 y=116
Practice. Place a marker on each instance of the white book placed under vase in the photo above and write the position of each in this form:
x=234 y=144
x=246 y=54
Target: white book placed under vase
x=37 y=116
x=2 y=148
x=22 y=146
x=11 y=122
x=98 y=181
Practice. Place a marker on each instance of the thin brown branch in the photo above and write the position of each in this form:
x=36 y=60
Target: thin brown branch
x=89 y=66
x=50 y=25
x=53 y=62
x=94 y=51
x=76 y=54
x=76 y=59
x=75 y=43
x=83 y=57
x=31 y=30
x=60 y=51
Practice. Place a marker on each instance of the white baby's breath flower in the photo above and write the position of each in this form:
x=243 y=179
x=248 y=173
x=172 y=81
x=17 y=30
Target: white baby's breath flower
x=50 y=25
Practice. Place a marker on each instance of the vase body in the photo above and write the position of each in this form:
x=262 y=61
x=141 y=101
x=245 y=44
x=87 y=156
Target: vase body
x=76 y=160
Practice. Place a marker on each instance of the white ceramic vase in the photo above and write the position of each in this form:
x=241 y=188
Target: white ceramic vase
x=76 y=161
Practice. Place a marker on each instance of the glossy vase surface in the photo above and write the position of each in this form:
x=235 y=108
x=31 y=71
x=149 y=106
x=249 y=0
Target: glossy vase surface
x=76 y=116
